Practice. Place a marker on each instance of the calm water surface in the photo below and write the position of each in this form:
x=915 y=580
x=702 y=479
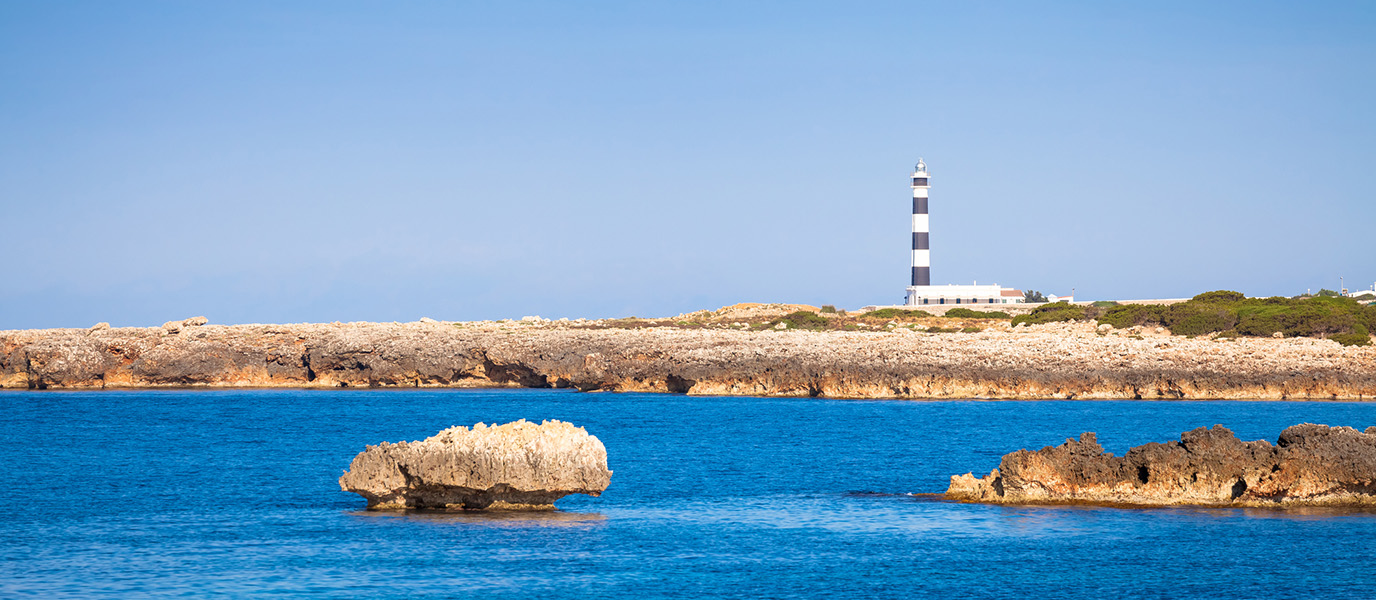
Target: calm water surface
x=234 y=493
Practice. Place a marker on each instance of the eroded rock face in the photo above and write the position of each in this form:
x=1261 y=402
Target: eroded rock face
x=1310 y=465
x=1055 y=360
x=518 y=465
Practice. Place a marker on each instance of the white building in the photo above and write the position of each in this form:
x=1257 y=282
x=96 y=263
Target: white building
x=963 y=294
x=922 y=291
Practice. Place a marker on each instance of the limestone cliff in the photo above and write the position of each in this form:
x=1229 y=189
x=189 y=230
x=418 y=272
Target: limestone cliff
x=1311 y=465
x=1044 y=361
x=516 y=465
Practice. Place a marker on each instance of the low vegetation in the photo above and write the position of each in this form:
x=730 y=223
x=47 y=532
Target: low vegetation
x=896 y=313
x=1230 y=314
x=1360 y=336
x=1224 y=315
x=954 y=313
x=803 y=319
x=965 y=313
x=1056 y=312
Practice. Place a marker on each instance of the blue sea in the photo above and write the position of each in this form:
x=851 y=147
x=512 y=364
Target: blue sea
x=209 y=494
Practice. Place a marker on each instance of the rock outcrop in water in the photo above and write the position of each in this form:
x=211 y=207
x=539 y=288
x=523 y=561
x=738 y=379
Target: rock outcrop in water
x=1310 y=465
x=1059 y=360
x=518 y=465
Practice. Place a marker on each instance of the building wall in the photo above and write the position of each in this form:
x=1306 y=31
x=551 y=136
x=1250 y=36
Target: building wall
x=957 y=294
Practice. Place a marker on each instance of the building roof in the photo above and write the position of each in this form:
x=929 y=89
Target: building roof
x=1011 y=293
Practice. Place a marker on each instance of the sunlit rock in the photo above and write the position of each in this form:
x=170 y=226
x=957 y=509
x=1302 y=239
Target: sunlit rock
x=518 y=465
x=1310 y=465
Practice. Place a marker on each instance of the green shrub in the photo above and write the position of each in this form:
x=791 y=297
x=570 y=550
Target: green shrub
x=1359 y=337
x=1303 y=317
x=802 y=320
x=971 y=330
x=1104 y=303
x=828 y=309
x=939 y=330
x=1053 y=313
x=1220 y=296
x=1129 y=315
x=1199 y=318
x=1261 y=318
x=893 y=313
x=965 y=313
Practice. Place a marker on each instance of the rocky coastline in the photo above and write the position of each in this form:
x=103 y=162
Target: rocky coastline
x=976 y=359
x=1310 y=465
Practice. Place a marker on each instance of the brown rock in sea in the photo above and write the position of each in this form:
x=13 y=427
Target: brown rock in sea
x=1310 y=465
x=518 y=465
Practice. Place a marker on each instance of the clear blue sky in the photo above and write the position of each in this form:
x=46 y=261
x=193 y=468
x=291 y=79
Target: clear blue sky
x=287 y=162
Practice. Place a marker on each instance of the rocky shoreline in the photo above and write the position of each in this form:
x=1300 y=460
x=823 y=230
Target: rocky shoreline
x=989 y=360
x=1310 y=465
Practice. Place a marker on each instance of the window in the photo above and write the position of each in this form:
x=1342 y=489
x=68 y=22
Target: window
x=919 y=181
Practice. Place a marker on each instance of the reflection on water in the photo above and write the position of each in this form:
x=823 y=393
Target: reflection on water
x=1310 y=512
x=1084 y=510
x=489 y=518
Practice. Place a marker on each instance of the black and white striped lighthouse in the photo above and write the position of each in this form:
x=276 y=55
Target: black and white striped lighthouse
x=922 y=291
x=922 y=258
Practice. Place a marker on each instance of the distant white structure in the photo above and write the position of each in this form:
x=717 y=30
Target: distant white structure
x=1364 y=295
x=922 y=291
x=1055 y=298
x=963 y=294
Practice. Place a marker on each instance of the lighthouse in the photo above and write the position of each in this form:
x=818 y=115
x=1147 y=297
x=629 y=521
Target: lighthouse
x=921 y=291
x=922 y=253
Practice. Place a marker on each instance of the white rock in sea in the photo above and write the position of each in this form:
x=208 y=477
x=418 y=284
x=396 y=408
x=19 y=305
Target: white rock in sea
x=518 y=465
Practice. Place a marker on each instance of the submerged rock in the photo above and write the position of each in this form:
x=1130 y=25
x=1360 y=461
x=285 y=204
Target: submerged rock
x=518 y=465
x=1310 y=465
